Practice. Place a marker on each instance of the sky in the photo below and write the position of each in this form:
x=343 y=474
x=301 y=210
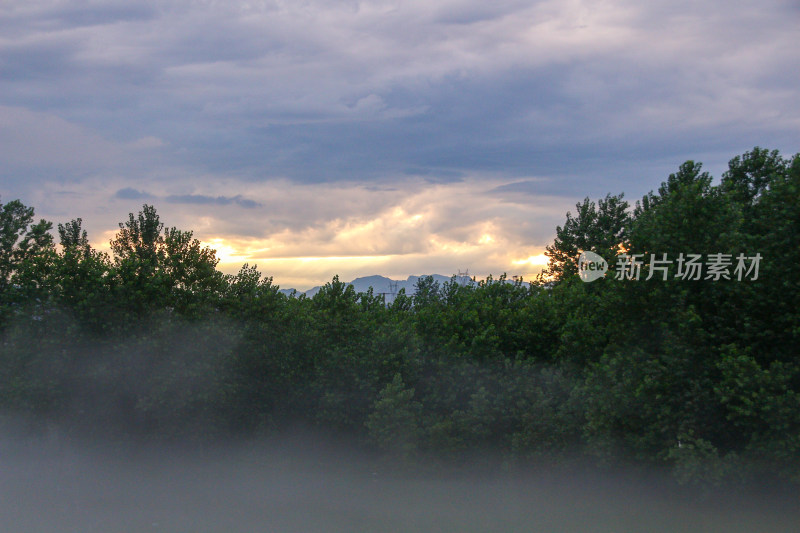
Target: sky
x=315 y=138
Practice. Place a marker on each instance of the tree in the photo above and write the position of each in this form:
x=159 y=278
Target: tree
x=393 y=425
x=688 y=215
x=73 y=236
x=770 y=227
x=600 y=228
x=140 y=237
x=26 y=254
x=751 y=174
x=138 y=249
x=82 y=279
x=19 y=240
x=194 y=283
x=164 y=269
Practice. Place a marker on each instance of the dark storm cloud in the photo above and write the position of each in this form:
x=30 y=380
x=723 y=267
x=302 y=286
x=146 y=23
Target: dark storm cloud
x=36 y=62
x=331 y=91
x=129 y=193
x=199 y=199
x=66 y=15
x=96 y=13
x=533 y=188
x=466 y=125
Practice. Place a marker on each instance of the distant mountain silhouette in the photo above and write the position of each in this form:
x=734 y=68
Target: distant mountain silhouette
x=379 y=284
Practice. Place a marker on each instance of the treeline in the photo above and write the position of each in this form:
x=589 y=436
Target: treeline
x=700 y=376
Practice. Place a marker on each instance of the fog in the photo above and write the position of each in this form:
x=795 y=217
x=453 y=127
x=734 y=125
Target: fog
x=299 y=484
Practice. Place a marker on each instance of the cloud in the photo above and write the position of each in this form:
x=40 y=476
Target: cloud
x=303 y=234
x=60 y=15
x=129 y=193
x=44 y=141
x=325 y=91
x=199 y=199
x=146 y=143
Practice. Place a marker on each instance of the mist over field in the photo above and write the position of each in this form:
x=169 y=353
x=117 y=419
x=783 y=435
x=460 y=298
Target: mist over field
x=305 y=483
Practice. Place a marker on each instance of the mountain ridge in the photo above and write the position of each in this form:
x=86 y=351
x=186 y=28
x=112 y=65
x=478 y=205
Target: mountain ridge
x=379 y=285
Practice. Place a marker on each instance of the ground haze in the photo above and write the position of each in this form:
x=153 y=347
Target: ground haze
x=298 y=485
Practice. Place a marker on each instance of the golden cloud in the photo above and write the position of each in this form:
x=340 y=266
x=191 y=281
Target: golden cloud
x=304 y=234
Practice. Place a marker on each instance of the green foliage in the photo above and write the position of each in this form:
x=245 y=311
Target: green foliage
x=699 y=377
x=601 y=228
x=393 y=424
x=194 y=283
x=73 y=236
x=26 y=254
x=697 y=462
x=140 y=237
x=749 y=175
